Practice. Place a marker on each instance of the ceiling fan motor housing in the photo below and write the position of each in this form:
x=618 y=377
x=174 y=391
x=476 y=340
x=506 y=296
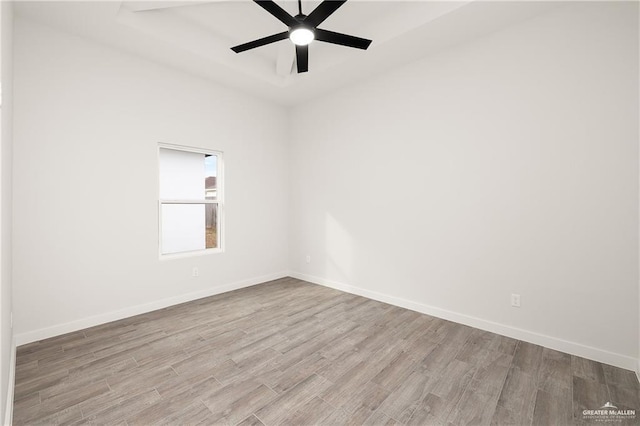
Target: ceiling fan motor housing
x=301 y=34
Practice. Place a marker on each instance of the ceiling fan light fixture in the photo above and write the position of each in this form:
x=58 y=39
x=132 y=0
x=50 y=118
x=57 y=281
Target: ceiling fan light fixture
x=301 y=36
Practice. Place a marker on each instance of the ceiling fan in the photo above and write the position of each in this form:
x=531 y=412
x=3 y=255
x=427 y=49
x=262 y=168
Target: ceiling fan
x=303 y=29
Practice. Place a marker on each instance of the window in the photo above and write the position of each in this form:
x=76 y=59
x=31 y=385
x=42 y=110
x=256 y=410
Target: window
x=190 y=205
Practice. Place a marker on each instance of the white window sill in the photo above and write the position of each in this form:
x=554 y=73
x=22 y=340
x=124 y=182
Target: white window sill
x=184 y=254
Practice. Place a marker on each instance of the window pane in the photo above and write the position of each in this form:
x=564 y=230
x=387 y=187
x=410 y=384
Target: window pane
x=189 y=194
x=211 y=177
x=182 y=226
x=181 y=175
x=211 y=225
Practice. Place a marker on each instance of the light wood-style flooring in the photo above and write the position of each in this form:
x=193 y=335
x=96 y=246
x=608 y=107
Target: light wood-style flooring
x=293 y=353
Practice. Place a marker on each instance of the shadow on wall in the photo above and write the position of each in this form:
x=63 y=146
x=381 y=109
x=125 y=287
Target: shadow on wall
x=339 y=251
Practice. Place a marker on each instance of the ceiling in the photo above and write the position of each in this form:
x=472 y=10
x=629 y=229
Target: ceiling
x=196 y=36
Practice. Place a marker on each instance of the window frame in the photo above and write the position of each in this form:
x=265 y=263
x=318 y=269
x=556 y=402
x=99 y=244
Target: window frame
x=219 y=201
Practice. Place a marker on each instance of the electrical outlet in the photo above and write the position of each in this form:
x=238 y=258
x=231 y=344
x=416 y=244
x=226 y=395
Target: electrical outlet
x=308 y=259
x=515 y=300
x=195 y=272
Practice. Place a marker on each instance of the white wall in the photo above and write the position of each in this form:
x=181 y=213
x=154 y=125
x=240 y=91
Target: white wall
x=88 y=121
x=6 y=298
x=505 y=165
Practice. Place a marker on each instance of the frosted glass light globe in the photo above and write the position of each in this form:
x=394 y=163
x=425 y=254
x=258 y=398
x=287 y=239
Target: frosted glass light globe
x=301 y=36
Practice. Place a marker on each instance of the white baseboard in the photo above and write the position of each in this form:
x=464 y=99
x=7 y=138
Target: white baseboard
x=8 y=407
x=573 y=348
x=56 y=330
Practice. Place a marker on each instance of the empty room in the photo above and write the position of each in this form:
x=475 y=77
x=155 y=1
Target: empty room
x=235 y=212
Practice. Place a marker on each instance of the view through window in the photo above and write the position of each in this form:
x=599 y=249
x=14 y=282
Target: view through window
x=190 y=200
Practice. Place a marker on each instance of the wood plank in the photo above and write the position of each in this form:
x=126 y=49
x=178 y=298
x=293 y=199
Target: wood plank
x=366 y=399
x=517 y=398
x=192 y=414
x=118 y=407
x=527 y=358
x=380 y=419
x=551 y=410
x=625 y=398
x=297 y=373
x=620 y=377
x=432 y=410
x=341 y=365
x=555 y=371
x=290 y=401
x=587 y=369
x=474 y=408
x=312 y=413
x=396 y=372
x=37 y=383
x=61 y=402
x=163 y=408
x=587 y=395
x=233 y=412
x=401 y=403
x=437 y=359
x=346 y=385
x=252 y=420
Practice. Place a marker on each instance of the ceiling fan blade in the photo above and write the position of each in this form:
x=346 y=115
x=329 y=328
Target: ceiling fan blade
x=277 y=12
x=302 y=58
x=260 y=42
x=341 y=39
x=323 y=11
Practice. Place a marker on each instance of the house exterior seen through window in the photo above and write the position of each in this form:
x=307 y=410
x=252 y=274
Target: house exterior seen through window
x=190 y=204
